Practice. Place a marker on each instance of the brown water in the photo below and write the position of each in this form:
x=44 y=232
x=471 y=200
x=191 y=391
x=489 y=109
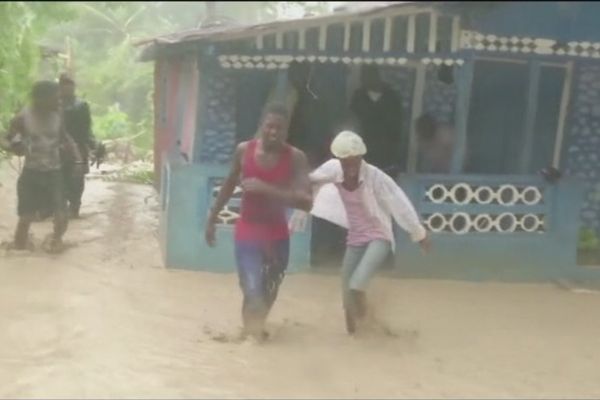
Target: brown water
x=106 y=320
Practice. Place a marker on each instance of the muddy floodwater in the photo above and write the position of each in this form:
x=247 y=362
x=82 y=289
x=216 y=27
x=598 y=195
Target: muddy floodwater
x=107 y=320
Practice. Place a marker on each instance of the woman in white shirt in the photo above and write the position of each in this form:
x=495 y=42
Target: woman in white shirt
x=363 y=199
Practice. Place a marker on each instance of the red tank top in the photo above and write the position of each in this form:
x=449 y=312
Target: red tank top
x=262 y=217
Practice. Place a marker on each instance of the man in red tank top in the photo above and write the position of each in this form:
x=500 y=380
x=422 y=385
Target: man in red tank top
x=274 y=177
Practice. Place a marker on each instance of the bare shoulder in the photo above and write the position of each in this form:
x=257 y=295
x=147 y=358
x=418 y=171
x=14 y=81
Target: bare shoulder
x=241 y=148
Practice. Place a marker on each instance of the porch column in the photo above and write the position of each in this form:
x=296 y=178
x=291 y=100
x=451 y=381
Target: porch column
x=463 y=100
x=530 y=113
x=417 y=109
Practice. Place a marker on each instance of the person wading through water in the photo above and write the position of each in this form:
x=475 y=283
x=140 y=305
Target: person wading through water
x=78 y=124
x=274 y=176
x=363 y=199
x=37 y=132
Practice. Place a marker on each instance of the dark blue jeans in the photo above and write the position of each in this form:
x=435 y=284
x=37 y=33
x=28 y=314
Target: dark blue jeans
x=261 y=268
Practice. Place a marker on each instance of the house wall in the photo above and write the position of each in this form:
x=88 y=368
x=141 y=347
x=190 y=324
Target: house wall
x=565 y=22
x=216 y=132
x=175 y=102
x=581 y=151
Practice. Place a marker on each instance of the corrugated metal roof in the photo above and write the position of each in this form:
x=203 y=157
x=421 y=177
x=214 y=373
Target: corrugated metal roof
x=228 y=32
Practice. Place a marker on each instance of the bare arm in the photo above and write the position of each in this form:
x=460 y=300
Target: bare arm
x=229 y=185
x=302 y=186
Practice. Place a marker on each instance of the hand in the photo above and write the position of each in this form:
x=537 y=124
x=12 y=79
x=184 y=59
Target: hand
x=253 y=185
x=298 y=221
x=210 y=234
x=425 y=245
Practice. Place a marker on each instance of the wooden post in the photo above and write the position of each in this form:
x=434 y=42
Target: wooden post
x=463 y=101
x=530 y=113
x=562 y=116
x=417 y=109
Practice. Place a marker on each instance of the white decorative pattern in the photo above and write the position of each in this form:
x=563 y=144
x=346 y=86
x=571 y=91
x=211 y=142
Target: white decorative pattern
x=462 y=223
x=283 y=61
x=463 y=194
x=502 y=198
x=230 y=213
x=482 y=42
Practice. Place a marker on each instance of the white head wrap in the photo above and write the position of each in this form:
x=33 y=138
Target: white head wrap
x=348 y=144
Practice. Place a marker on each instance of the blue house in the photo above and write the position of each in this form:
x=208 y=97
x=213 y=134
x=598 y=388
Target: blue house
x=519 y=82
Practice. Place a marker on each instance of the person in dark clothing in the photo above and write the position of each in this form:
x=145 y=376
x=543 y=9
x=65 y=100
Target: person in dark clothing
x=309 y=124
x=78 y=124
x=376 y=112
x=37 y=133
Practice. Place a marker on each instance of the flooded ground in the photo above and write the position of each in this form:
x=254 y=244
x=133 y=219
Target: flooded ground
x=106 y=320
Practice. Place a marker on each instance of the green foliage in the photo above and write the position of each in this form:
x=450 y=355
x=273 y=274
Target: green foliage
x=588 y=240
x=113 y=124
x=102 y=37
x=21 y=26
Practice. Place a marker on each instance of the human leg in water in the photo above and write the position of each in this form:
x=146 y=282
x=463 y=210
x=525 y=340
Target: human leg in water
x=56 y=189
x=30 y=197
x=276 y=261
x=360 y=265
x=260 y=272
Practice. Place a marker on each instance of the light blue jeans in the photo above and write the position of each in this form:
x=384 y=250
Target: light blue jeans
x=360 y=264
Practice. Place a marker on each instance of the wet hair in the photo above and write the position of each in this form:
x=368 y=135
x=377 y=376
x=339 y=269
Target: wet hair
x=426 y=126
x=275 y=109
x=41 y=90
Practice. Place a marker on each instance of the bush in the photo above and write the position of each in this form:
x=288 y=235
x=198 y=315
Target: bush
x=114 y=124
x=588 y=240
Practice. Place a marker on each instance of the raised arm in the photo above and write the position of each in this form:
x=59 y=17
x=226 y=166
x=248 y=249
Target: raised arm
x=225 y=193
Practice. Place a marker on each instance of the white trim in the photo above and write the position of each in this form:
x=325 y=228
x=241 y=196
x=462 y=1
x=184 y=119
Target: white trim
x=347 y=36
x=366 y=35
x=500 y=59
x=527 y=45
x=455 y=34
x=410 y=36
x=562 y=115
x=259 y=42
x=417 y=109
x=387 y=34
x=433 y=21
x=322 y=37
x=302 y=39
x=279 y=40
x=271 y=61
x=553 y=64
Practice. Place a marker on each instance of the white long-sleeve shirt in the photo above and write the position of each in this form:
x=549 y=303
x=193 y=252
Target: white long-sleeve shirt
x=383 y=198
